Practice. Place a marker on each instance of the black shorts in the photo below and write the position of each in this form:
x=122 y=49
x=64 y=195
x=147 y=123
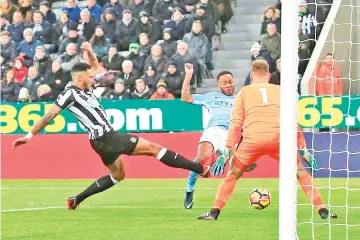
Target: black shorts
x=112 y=144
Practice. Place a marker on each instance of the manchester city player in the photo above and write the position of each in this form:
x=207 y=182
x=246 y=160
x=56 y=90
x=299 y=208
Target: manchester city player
x=213 y=139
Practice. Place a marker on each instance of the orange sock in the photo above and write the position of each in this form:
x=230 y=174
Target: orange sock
x=225 y=191
x=312 y=193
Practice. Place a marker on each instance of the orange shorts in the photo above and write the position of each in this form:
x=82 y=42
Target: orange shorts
x=251 y=149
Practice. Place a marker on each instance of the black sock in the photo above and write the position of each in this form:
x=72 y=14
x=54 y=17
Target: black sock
x=98 y=186
x=175 y=160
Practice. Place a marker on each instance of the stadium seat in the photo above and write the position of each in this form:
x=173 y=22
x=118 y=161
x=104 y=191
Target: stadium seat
x=58 y=5
x=124 y=53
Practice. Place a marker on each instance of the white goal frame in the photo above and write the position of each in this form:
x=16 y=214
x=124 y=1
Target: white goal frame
x=288 y=119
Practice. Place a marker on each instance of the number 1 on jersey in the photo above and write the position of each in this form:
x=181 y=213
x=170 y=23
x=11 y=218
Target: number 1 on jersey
x=264 y=95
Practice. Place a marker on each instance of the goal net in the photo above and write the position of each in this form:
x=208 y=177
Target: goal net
x=328 y=111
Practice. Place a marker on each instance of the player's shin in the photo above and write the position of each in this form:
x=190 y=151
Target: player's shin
x=98 y=186
x=225 y=192
x=311 y=191
x=175 y=160
x=193 y=176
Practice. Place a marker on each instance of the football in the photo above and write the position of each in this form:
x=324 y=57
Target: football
x=260 y=198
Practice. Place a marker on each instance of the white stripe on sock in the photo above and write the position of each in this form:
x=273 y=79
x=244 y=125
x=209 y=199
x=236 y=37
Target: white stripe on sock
x=161 y=153
x=113 y=180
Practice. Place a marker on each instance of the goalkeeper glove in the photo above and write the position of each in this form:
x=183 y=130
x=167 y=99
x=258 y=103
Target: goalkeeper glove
x=218 y=166
x=309 y=159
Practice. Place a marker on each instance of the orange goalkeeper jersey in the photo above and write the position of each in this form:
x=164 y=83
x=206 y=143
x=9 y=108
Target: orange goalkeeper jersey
x=257 y=112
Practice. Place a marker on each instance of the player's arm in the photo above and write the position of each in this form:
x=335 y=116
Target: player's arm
x=39 y=125
x=185 y=91
x=93 y=62
x=237 y=122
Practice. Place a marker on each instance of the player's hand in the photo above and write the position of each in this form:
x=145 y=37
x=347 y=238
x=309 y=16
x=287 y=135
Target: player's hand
x=310 y=159
x=218 y=166
x=86 y=46
x=19 y=141
x=189 y=68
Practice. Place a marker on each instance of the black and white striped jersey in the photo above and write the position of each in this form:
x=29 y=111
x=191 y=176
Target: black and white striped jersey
x=87 y=109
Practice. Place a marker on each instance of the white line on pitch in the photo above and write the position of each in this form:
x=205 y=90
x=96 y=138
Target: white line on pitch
x=118 y=188
x=96 y=207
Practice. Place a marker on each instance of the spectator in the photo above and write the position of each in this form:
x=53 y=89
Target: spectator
x=271 y=15
x=129 y=75
x=27 y=46
x=173 y=79
x=141 y=90
x=303 y=51
x=19 y=70
x=177 y=24
x=109 y=24
x=257 y=53
x=150 y=26
x=44 y=94
x=4 y=23
x=127 y=30
x=48 y=14
x=8 y=48
x=99 y=43
x=57 y=78
x=7 y=10
x=138 y=6
x=157 y=59
x=113 y=61
x=225 y=11
x=17 y=28
x=41 y=61
x=9 y=88
x=150 y=77
x=182 y=56
x=208 y=26
x=26 y=10
x=32 y=82
x=69 y=58
x=24 y=95
x=211 y=10
x=94 y=9
x=328 y=78
x=161 y=92
x=86 y=25
x=116 y=8
x=145 y=47
x=168 y=45
x=119 y=92
x=41 y=28
x=275 y=76
x=60 y=29
x=137 y=60
x=198 y=46
x=73 y=37
x=73 y=10
x=312 y=22
x=189 y=8
x=162 y=10
x=272 y=42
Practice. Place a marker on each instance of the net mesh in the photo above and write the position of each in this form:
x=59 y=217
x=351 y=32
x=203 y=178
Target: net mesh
x=333 y=137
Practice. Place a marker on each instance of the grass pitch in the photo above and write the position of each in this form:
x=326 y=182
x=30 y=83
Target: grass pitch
x=153 y=209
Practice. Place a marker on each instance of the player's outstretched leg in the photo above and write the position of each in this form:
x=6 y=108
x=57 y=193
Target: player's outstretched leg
x=225 y=191
x=117 y=174
x=205 y=153
x=312 y=192
x=170 y=158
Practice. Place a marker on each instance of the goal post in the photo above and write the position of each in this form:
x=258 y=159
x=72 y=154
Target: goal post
x=288 y=120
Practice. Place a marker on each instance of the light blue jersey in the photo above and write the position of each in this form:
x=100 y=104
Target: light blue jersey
x=219 y=107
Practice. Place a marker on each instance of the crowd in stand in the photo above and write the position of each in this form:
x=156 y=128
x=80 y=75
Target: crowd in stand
x=142 y=46
x=312 y=16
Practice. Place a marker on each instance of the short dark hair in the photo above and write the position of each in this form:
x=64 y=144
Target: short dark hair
x=39 y=12
x=329 y=54
x=223 y=73
x=80 y=67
